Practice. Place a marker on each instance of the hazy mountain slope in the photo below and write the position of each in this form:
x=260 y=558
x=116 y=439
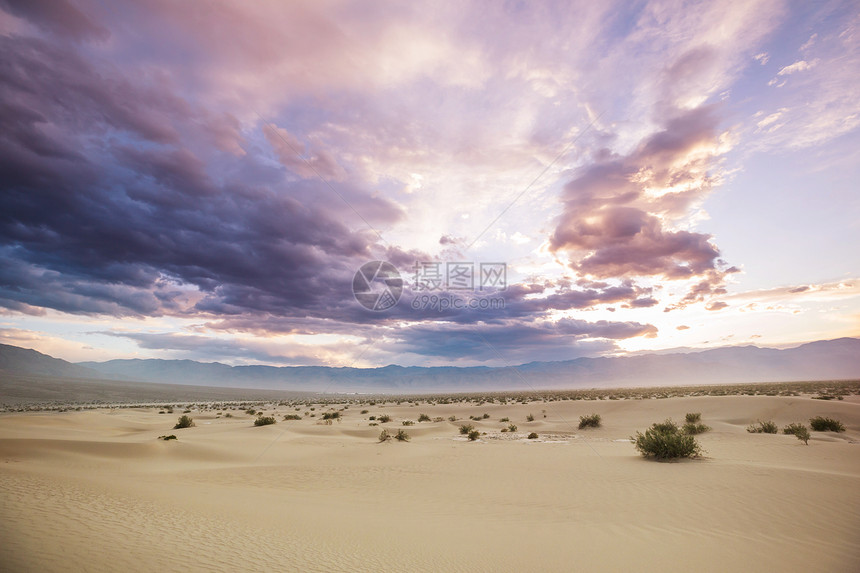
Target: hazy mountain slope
x=832 y=359
x=15 y=360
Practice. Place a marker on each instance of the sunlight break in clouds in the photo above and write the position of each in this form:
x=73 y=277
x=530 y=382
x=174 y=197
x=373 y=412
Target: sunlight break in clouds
x=211 y=175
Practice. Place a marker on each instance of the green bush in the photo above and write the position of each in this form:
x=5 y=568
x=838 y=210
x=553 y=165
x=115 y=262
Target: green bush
x=692 y=429
x=512 y=427
x=289 y=417
x=485 y=416
x=504 y=420
x=802 y=433
x=592 y=421
x=384 y=418
x=533 y=436
x=666 y=441
x=530 y=418
x=331 y=416
x=763 y=428
x=474 y=435
x=821 y=424
x=401 y=436
x=265 y=421
x=384 y=436
x=692 y=418
x=184 y=422
x=798 y=430
x=251 y=411
x=423 y=418
x=408 y=423
x=466 y=428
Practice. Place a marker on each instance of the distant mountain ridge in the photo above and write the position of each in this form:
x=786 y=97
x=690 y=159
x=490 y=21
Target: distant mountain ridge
x=821 y=360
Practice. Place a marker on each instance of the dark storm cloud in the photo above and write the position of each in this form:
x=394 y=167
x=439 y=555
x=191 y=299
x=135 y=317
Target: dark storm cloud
x=103 y=197
x=56 y=17
x=517 y=341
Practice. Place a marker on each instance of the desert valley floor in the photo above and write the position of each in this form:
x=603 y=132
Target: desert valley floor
x=97 y=490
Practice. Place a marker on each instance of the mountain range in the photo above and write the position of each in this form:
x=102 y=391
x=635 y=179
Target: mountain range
x=823 y=360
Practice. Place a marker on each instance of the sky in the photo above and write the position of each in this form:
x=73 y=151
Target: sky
x=548 y=180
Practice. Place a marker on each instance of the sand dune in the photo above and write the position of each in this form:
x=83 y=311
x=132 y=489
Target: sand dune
x=97 y=491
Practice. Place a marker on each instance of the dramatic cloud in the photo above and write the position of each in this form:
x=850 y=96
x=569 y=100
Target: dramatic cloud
x=619 y=210
x=225 y=171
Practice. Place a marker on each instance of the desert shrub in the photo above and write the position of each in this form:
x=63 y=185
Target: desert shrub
x=438 y=419
x=452 y=418
x=466 y=428
x=592 y=421
x=802 y=433
x=408 y=423
x=504 y=420
x=512 y=427
x=474 y=435
x=504 y=430
x=760 y=427
x=533 y=436
x=423 y=418
x=692 y=429
x=162 y=412
x=265 y=421
x=166 y=438
x=692 y=418
x=331 y=416
x=372 y=418
x=228 y=415
x=530 y=418
x=290 y=417
x=485 y=416
x=401 y=436
x=384 y=436
x=665 y=440
x=251 y=411
x=665 y=427
x=821 y=424
x=792 y=428
x=798 y=430
x=184 y=422
x=365 y=411
x=384 y=418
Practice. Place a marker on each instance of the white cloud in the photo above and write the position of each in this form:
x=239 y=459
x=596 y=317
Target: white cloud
x=798 y=66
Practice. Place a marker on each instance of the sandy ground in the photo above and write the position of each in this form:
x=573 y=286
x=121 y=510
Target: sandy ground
x=97 y=491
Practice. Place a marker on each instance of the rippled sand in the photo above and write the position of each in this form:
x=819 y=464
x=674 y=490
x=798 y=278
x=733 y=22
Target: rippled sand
x=97 y=491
